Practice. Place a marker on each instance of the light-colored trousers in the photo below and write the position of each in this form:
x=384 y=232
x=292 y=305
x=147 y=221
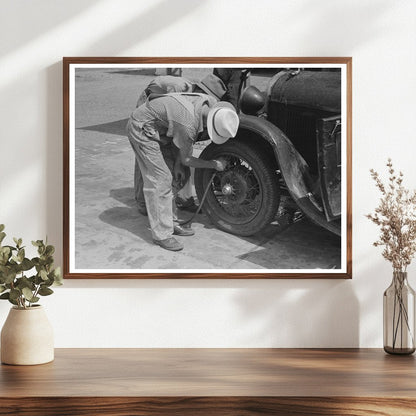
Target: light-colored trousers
x=153 y=160
x=185 y=192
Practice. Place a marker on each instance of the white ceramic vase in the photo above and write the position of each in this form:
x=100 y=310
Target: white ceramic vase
x=27 y=337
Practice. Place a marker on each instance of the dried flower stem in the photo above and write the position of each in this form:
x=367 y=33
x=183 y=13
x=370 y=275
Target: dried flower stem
x=396 y=217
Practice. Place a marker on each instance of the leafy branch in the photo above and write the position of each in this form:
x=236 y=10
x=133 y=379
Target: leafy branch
x=23 y=280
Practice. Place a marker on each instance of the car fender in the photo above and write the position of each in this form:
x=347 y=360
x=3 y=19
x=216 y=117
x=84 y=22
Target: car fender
x=294 y=170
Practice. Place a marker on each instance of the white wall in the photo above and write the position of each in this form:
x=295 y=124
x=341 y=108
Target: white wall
x=380 y=35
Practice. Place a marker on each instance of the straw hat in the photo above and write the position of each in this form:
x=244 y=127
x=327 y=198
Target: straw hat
x=222 y=122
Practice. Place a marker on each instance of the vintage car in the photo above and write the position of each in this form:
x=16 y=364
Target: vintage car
x=289 y=141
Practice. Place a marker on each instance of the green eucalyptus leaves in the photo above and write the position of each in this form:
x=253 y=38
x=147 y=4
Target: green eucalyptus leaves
x=16 y=285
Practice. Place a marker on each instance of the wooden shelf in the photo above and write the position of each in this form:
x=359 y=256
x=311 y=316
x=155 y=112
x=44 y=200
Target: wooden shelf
x=212 y=382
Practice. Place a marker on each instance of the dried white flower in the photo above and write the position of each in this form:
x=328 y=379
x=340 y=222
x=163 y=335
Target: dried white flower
x=396 y=217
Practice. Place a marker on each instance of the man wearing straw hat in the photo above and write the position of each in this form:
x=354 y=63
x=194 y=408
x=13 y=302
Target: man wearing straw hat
x=162 y=132
x=164 y=84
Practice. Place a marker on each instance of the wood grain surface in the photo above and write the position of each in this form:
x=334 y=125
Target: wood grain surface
x=212 y=381
x=208 y=406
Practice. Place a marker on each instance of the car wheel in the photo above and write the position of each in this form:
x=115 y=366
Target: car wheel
x=244 y=198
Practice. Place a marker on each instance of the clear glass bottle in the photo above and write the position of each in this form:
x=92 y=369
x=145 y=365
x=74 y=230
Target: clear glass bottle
x=399 y=316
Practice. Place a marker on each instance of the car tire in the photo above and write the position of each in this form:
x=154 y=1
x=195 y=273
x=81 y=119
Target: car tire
x=244 y=198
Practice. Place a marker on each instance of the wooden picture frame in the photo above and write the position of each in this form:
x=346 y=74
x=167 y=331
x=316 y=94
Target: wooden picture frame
x=303 y=97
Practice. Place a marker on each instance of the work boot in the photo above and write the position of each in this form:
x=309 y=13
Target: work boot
x=186 y=204
x=170 y=243
x=183 y=231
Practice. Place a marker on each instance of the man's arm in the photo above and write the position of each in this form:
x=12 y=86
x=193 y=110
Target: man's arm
x=184 y=143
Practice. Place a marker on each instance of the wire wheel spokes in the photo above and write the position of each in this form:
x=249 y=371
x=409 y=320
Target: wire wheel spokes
x=237 y=189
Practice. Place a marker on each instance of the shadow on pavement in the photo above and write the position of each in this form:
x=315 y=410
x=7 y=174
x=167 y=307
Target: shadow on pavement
x=124 y=195
x=303 y=241
x=301 y=245
x=130 y=219
x=114 y=127
x=127 y=217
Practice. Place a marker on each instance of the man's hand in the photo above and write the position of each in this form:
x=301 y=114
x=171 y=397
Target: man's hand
x=220 y=164
x=184 y=144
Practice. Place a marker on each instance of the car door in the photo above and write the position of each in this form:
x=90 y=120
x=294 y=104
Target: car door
x=329 y=165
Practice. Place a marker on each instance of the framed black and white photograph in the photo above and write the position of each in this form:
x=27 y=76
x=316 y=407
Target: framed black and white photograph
x=207 y=167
